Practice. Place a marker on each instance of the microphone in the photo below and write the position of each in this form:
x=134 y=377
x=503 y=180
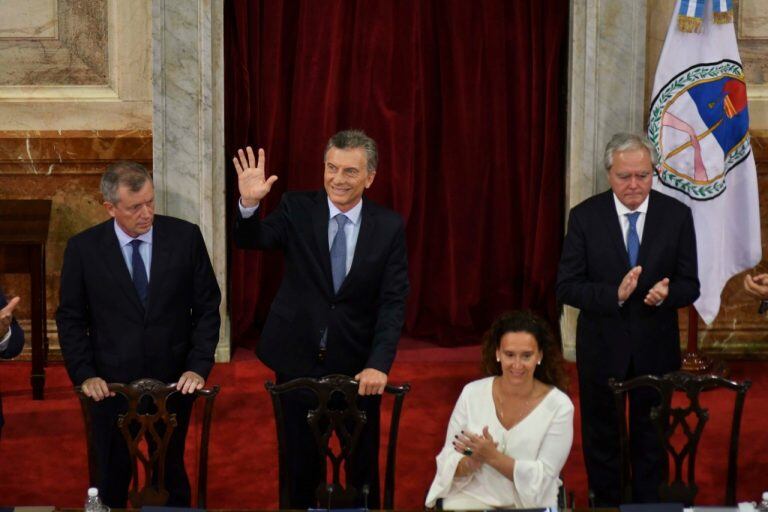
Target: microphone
x=366 y=492
x=329 y=489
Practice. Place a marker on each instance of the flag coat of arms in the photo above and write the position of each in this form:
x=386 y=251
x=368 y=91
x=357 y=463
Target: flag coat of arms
x=699 y=124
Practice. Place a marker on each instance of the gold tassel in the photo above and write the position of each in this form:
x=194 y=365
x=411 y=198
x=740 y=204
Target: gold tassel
x=688 y=23
x=722 y=18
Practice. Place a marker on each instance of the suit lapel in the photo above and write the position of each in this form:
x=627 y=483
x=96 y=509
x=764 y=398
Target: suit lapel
x=320 y=229
x=613 y=226
x=363 y=245
x=161 y=260
x=115 y=264
x=653 y=218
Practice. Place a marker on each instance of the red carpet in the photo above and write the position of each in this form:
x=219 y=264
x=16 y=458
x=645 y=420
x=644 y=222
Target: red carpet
x=43 y=462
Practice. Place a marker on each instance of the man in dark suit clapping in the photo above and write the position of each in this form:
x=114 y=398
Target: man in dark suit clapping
x=628 y=263
x=138 y=299
x=341 y=304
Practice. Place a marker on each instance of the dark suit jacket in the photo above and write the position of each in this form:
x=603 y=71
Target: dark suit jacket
x=594 y=262
x=15 y=344
x=104 y=330
x=363 y=320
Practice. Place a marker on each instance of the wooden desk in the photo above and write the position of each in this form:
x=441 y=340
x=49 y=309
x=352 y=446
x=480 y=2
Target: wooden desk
x=23 y=234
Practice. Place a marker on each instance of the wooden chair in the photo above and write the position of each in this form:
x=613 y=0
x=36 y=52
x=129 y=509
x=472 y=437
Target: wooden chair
x=688 y=420
x=147 y=418
x=346 y=424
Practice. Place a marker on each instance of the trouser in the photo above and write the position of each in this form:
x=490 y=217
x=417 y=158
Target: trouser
x=304 y=460
x=600 y=437
x=113 y=460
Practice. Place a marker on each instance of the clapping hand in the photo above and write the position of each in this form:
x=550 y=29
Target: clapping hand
x=629 y=283
x=251 y=177
x=757 y=286
x=480 y=448
x=658 y=293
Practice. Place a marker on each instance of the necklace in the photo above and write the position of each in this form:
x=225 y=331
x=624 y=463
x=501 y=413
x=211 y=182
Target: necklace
x=521 y=410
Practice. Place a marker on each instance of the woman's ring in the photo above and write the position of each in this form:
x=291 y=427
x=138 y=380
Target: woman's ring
x=468 y=452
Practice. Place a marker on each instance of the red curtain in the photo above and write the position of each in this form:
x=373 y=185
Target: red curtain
x=465 y=100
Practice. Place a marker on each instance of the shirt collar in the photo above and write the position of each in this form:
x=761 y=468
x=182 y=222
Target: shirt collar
x=353 y=214
x=124 y=239
x=622 y=210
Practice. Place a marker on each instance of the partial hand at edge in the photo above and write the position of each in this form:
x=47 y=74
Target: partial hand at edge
x=6 y=316
x=757 y=286
x=371 y=382
x=251 y=177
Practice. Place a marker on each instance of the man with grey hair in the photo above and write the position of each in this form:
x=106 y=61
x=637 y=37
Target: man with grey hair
x=138 y=299
x=340 y=307
x=628 y=264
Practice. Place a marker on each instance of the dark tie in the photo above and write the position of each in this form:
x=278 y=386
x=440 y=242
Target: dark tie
x=339 y=253
x=633 y=240
x=140 y=280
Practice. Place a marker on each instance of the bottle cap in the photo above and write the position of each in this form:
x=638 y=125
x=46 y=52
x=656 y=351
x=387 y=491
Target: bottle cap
x=93 y=492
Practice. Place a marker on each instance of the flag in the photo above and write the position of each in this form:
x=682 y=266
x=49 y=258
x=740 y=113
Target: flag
x=699 y=123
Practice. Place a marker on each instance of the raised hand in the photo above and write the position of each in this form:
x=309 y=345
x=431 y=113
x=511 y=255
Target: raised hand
x=629 y=283
x=251 y=177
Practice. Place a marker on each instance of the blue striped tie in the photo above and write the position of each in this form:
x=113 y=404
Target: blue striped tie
x=633 y=240
x=339 y=253
x=140 y=280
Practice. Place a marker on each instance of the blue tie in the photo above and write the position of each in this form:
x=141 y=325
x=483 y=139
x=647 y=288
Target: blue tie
x=140 y=280
x=633 y=240
x=339 y=253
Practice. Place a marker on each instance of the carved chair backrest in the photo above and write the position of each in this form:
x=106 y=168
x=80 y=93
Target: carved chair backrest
x=147 y=425
x=686 y=421
x=336 y=414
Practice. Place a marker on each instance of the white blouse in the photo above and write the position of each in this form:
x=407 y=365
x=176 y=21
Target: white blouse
x=539 y=443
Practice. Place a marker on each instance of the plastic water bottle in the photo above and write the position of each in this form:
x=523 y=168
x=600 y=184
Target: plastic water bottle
x=93 y=502
x=763 y=506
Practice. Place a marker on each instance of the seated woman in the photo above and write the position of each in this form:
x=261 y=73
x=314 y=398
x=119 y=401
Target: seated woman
x=509 y=434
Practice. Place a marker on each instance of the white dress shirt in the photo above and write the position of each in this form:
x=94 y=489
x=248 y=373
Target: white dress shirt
x=622 y=212
x=145 y=249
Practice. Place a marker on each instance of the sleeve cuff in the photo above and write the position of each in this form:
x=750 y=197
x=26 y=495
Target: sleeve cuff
x=530 y=480
x=246 y=212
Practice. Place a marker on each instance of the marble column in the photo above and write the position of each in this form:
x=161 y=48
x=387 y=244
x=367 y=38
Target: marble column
x=606 y=68
x=188 y=125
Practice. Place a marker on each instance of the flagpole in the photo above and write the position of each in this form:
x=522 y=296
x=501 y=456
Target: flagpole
x=694 y=361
